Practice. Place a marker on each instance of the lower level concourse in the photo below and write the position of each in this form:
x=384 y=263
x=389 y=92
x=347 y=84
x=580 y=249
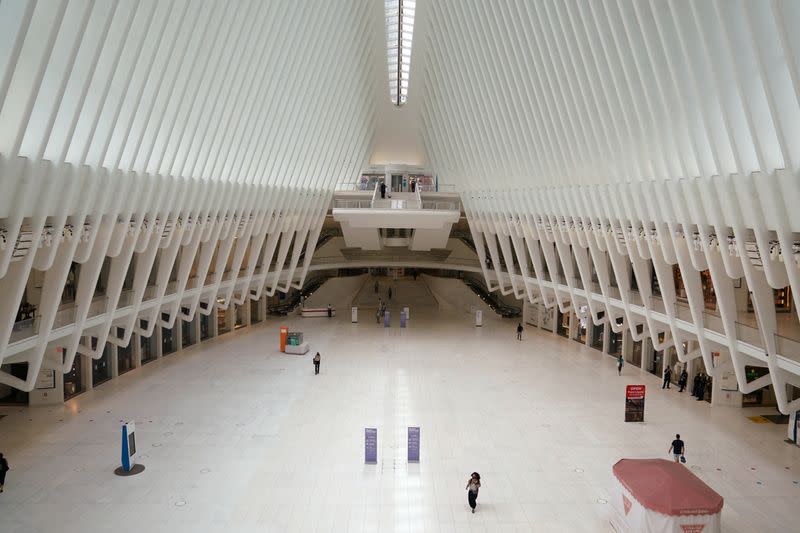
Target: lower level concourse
x=237 y=436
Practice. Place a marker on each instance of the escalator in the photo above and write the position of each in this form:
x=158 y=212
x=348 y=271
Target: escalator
x=291 y=303
x=494 y=303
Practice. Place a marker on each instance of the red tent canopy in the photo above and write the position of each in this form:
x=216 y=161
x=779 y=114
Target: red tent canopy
x=667 y=487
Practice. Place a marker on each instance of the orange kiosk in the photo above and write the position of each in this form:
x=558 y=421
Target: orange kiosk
x=284 y=335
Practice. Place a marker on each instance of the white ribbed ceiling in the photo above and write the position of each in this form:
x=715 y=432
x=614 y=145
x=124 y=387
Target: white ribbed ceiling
x=276 y=92
x=521 y=93
x=511 y=93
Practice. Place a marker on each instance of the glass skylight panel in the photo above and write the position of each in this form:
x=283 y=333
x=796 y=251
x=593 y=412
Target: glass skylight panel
x=399 y=32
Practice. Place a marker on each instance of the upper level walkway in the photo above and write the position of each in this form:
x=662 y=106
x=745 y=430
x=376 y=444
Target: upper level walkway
x=428 y=216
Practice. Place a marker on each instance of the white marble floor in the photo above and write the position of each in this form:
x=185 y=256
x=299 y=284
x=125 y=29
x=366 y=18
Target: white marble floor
x=238 y=437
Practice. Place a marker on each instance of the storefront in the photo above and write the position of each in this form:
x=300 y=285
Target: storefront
x=168 y=341
x=101 y=368
x=709 y=296
x=562 y=323
x=241 y=316
x=124 y=355
x=10 y=395
x=597 y=333
x=223 y=326
x=615 y=343
x=764 y=396
x=656 y=360
x=73 y=380
x=635 y=356
x=149 y=348
x=205 y=327
x=547 y=318
x=255 y=311
x=188 y=336
x=782 y=297
x=581 y=324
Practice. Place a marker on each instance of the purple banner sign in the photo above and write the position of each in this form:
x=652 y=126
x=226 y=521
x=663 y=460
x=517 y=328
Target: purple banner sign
x=371 y=445
x=387 y=319
x=413 y=445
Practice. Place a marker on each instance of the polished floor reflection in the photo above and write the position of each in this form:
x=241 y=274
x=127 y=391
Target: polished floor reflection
x=239 y=437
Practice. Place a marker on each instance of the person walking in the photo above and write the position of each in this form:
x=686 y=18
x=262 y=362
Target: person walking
x=3 y=469
x=473 y=485
x=390 y=293
x=413 y=185
x=383 y=190
x=317 y=359
x=330 y=311
x=620 y=362
x=667 y=378
x=678 y=448
x=682 y=380
x=519 y=331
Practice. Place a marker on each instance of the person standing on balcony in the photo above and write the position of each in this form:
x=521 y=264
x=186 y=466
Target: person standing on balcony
x=413 y=185
x=383 y=189
x=667 y=378
x=519 y=331
x=620 y=362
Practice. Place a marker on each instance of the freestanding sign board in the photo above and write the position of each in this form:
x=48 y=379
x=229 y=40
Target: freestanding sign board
x=128 y=446
x=634 y=403
x=478 y=318
x=413 y=444
x=371 y=445
x=402 y=319
x=387 y=319
x=354 y=314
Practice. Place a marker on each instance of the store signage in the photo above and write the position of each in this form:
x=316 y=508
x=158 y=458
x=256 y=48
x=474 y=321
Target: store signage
x=128 y=446
x=413 y=444
x=371 y=445
x=46 y=379
x=634 y=403
x=728 y=381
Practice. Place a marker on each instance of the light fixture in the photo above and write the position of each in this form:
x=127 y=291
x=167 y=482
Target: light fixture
x=399 y=31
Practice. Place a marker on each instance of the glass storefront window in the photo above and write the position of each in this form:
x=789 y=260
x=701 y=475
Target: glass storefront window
x=222 y=321
x=13 y=396
x=205 y=327
x=124 y=355
x=101 y=368
x=73 y=380
x=148 y=348
x=255 y=311
x=167 y=341
x=187 y=333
